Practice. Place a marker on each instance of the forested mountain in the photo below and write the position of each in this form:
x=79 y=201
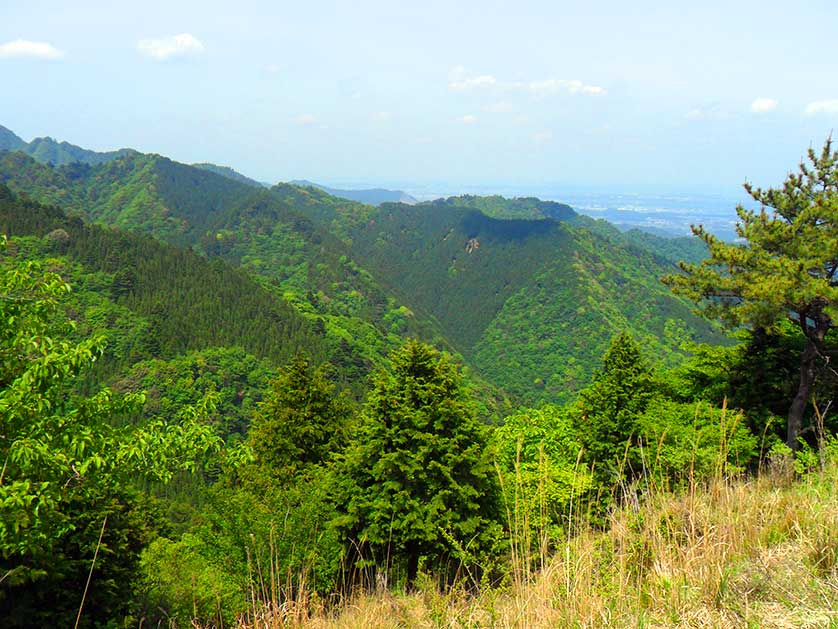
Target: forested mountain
x=527 y=290
x=230 y=173
x=49 y=151
x=154 y=300
x=247 y=226
x=532 y=301
x=371 y=196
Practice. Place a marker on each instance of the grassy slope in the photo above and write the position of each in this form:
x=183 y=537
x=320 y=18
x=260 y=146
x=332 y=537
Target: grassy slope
x=737 y=553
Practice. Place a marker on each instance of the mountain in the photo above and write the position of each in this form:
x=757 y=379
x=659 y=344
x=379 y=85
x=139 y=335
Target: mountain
x=228 y=172
x=528 y=292
x=48 y=151
x=306 y=265
x=532 y=302
x=371 y=196
x=151 y=299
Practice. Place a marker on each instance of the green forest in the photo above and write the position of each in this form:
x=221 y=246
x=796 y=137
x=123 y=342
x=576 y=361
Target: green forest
x=224 y=404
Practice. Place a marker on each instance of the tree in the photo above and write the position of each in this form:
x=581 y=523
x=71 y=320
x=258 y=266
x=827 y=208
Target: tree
x=611 y=405
x=417 y=481
x=67 y=462
x=300 y=422
x=784 y=267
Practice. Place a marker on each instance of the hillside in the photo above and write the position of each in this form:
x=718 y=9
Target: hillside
x=49 y=151
x=370 y=196
x=528 y=291
x=531 y=301
x=154 y=300
x=243 y=225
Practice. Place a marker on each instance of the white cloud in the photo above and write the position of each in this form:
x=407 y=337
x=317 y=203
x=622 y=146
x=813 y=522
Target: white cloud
x=476 y=82
x=763 y=105
x=499 y=108
x=712 y=111
x=468 y=119
x=459 y=80
x=553 y=86
x=181 y=45
x=306 y=120
x=381 y=116
x=542 y=137
x=521 y=120
x=32 y=49
x=821 y=107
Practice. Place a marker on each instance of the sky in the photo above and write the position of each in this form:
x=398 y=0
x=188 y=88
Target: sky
x=657 y=96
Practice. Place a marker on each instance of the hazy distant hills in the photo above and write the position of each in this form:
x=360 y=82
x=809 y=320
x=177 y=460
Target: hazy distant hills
x=49 y=151
x=372 y=196
x=226 y=171
x=529 y=292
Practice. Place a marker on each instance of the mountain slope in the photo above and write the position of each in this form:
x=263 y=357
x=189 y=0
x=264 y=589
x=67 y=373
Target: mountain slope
x=169 y=300
x=533 y=302
x=370 y=196
x=244 y=225
x=49 y=151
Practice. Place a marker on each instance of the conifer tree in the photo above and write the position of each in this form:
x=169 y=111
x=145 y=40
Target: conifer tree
x=300 y=422
x=417 y=482
x=611 y=405
x=783 y=267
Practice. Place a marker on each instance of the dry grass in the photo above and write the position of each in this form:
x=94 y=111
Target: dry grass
x=736 y=553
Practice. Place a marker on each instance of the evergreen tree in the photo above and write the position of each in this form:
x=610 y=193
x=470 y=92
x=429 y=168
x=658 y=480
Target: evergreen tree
x=785 y=267
x=300 y=422
x=610 y=406
x=417 y=482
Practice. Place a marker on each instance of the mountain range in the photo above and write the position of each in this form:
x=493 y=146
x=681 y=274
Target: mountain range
x=527 y=292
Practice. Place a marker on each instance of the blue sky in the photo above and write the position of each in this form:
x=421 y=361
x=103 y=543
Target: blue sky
x=646 y=95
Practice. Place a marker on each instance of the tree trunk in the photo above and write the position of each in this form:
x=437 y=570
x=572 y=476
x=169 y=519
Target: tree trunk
x=798 y=406
x=412 y=566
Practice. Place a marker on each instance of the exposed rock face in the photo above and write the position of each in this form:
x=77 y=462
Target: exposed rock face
x=472 y=245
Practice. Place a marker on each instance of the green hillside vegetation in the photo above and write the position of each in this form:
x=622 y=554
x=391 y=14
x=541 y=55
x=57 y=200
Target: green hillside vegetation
x=553 y=286
x=250 y=227
x=155 y=300
x=469 y=273
x=187 y=442
x=49 y=151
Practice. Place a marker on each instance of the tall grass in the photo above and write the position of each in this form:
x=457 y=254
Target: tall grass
x=727 y=552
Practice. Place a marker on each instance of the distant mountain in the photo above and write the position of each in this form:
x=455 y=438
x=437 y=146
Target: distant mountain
x=226 y=171
x=371 y=196
x=529 y=292
x=49 y=151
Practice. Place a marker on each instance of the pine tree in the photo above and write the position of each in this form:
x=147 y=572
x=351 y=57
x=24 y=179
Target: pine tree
x=417 y=482
x=784 y=267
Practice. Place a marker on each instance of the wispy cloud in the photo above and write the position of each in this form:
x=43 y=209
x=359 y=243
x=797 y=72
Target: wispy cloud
x=499 y=108
x=821 y=107
x=763 y=105
x=470 y=83
x=468 y=119
x=554 y=86
x=306 y=120
x=181 y=45
x=712 y=111
x=459 y=80
x=31 y=49
x=542 y=137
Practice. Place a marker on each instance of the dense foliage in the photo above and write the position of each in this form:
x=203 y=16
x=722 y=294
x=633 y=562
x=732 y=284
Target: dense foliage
x=785 y=267
x=196 y=429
